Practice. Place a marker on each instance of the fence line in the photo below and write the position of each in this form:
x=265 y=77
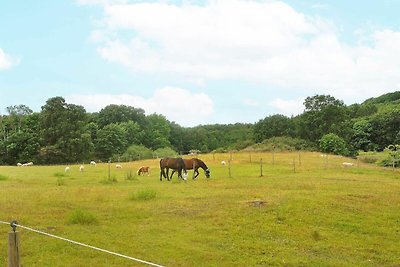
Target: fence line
x=13 y=224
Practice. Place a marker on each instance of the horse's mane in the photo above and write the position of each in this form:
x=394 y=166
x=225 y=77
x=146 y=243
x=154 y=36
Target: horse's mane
x=200 y=163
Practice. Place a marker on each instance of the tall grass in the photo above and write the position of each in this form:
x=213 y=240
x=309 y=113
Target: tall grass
x=81 y=216
x=145 y=194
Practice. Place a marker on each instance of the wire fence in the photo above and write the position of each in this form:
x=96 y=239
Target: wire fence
x=14 y=225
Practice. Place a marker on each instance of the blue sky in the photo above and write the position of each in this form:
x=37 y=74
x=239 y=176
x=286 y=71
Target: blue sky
x=197 y=62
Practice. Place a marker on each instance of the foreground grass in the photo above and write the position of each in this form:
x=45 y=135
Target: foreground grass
x=306 y=210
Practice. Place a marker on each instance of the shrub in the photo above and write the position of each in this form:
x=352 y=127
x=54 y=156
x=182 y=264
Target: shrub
x=165 y=152
x=82 y=216
x=281 y=144
x=137 y=152
x=332 y=143
x=392 y=158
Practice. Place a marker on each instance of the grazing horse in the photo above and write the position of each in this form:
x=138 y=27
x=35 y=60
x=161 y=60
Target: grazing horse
x=177 y=164
x=195 y=164
x=144 y=170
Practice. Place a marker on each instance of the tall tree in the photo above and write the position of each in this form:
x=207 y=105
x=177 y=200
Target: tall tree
x=323 y=115
x=111 y=140
x=275 y=125
x=63 y=127
x=121 y=113
x=157 y=132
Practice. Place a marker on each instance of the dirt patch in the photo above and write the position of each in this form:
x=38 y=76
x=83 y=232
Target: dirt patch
x=257 y=203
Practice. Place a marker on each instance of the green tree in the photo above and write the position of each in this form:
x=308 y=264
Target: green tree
x=111 y=140
x=121 y=113
x=323 y=114
x=157 y=132
x=17 y=115
x=63 y=126
x=362 y=130
x=273 y=126
x=134 y=134
x=386 y=128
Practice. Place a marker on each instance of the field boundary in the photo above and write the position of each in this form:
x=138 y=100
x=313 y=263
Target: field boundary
x=14 y=225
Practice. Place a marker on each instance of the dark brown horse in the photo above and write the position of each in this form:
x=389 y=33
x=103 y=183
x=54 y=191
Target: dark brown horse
x=195 y=164
x=177 y=164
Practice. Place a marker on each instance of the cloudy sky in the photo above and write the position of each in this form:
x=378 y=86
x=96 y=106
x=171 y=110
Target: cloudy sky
x=197 y=61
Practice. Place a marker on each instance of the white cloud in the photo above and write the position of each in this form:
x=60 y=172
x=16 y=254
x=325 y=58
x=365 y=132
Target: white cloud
x=6 y=61
x=259 y=41
x=180 y=105
x=288 y=107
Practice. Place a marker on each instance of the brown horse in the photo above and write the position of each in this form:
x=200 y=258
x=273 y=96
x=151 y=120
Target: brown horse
x=176 y=164
x=195 y=164
x=144 y=170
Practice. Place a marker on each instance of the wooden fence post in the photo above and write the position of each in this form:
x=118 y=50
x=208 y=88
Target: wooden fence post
x=294 y=165
x=109 y=169
x=261 y=169
x=13 y=249
x=229 y=168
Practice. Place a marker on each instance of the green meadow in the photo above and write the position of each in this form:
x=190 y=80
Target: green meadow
x=305 y=210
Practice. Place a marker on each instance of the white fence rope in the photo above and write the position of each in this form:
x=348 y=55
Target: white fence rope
x=82 y=244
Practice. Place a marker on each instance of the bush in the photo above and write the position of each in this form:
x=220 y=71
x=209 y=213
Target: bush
x=281 y=144
x=165 y=152
x=392 y=158
x=81 y=216
x=137 y=152
x=331 y=143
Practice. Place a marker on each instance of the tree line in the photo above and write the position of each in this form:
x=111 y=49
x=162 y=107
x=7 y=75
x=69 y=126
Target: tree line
x=65 y=133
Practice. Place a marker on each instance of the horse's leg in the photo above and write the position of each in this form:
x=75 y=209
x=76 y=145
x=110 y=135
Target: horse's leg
x=172 y=173
x=180 y=174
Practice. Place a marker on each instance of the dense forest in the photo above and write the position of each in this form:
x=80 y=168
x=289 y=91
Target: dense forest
x=66 y=133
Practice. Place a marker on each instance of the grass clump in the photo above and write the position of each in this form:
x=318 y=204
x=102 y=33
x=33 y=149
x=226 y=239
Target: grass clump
x=60 y=181
x=130 y=176
x=82 y=216
x=109 y=180
x=146 y=194
x=3 y=177
x=59 y=174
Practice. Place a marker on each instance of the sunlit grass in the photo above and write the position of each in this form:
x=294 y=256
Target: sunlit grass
x=305 y=210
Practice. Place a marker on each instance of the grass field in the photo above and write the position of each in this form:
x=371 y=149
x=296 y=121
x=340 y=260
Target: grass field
x=306 y=210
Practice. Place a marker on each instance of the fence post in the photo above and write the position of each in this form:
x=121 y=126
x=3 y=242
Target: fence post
x=229 y=168
x=294 y=165
x=13 y=248
x=273 y=157
x=261 y=169
x=109 y=169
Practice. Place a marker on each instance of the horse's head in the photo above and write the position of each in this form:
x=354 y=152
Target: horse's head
x=207 y=173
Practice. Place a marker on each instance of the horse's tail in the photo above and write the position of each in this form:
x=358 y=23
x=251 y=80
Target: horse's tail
x=138 y=172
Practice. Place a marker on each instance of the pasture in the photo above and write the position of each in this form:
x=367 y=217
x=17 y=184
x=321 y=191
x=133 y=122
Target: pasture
x=306 y=210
